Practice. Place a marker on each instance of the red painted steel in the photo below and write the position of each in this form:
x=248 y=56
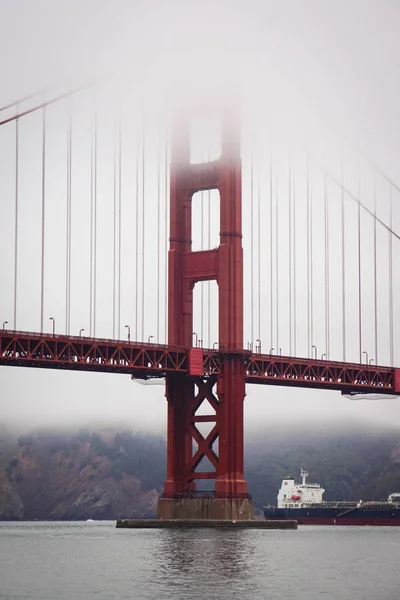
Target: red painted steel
x=28 y=349
x=186 y=268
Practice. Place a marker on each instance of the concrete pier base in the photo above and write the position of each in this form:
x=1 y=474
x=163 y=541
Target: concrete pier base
x=232 y=509
x=203 y=523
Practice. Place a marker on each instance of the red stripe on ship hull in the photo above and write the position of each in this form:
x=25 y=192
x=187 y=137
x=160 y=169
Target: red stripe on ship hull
x=340 y=521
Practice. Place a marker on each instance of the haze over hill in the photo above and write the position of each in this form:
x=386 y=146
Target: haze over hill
x=80 y=474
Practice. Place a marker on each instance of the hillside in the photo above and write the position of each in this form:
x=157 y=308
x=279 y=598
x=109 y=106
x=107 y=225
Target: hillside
x=81 y=475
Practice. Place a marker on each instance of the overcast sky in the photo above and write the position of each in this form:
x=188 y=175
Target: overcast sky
x=334 y=66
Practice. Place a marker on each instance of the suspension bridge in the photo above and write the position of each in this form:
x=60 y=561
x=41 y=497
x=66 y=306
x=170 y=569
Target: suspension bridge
x=206 y=257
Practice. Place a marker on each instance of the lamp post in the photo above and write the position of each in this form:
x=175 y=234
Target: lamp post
x=215 y=346
x=371 y=360
x=129 y=332
x=195 y=337
x=322 y=356
x=271 y=350
x=54 y=324
x=149 y=339
x=259 y=345
x=4 y=324
x=366 y=356
x=80 y=332
x=315 y=351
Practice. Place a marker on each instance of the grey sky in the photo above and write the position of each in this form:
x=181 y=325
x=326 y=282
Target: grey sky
x=296 y=63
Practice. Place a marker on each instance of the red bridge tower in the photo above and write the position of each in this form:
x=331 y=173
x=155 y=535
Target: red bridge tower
x=185 y=394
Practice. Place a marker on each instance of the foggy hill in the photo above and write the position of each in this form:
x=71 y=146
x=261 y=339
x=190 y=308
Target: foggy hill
x=107 y=474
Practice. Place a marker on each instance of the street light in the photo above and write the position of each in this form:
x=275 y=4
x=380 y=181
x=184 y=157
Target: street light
x=371 y=360
x=259 y=344
x=129 y=332
x=54 y=324
x=195 y=337
x=271 y=349
x=150 y=338
x=215 y=344
x=4 y=324
x=80 y=332
x=366 y=356
x=315 y=351
x=322 y=356
x=280 y=351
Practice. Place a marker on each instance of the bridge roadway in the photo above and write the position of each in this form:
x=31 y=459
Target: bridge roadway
x=146 y=361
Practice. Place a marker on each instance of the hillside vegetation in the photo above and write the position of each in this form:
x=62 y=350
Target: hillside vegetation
x=108 y=474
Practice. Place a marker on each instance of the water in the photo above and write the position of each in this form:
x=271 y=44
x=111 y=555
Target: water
x=77 y=561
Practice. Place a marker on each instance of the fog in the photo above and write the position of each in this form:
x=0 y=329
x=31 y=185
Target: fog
x=299 y=70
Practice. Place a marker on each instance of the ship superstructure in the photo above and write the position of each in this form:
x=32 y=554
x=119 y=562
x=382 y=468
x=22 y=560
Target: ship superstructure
x=296 y=495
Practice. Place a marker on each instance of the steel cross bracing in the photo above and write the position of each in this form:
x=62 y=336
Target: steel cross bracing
x=144 y=361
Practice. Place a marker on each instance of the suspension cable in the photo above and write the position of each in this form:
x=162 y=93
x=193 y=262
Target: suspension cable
x=166 y=236
x=43 y=105
x=16 y=219
x=158 y=233
x=252 y=245
x=43 y=217
x=271 y=251
x=119 y=223
x=69 y=223
x=294 y=267
x=309 y=337
x=343 y=268
x=259 y=252
x=277 y=257
x=143 y=223
x=391 y=279
x=375 y=277
x=114 y=237
x=327 y=307
x=359 y=267
x=290 y=252
x=137 y=238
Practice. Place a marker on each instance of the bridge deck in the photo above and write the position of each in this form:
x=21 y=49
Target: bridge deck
x=144 y=361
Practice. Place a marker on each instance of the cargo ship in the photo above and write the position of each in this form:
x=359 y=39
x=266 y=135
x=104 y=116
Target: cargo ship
x=303 y=503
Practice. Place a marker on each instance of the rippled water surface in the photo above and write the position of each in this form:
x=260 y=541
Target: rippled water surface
x=76 y=561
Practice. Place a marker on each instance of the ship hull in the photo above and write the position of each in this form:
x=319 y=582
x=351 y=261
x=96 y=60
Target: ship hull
x=331 y=516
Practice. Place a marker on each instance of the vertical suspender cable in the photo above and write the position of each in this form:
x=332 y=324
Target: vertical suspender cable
x=271 y=252
x=311 y=272
x=68 y=233
x=259 y=250
x=16 y=219
x=252 y=244
x=375 y=278
x=137 y=239
x=277 y=258
x=359 y=266
x=43 y=217
x=326 y=263
x=119 y=224
x=91 y=231
x=294 y=264
x=391 y=278
x=309 y=337
x=290 y=254
x=166 y=235
x=143 y=222
x=95 y=228
x=201 y=248
x=158 y=235
x=343 y=268
x=209 y=248
x=114 y=237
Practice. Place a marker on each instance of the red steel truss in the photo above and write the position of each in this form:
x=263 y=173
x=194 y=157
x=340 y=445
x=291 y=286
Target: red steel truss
x=145 y=361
